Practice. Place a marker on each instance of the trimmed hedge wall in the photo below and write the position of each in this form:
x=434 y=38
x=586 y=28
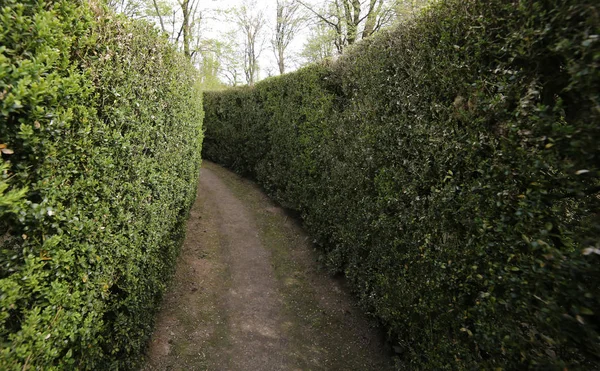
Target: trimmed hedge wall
x=100 y=133
x=451 y=169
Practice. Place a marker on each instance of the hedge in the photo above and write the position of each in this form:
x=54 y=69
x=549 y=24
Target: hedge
x=100 y=133
x=450 y=168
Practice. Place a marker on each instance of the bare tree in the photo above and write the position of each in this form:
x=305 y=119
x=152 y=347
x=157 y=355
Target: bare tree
x=348 y=17
x=229 y=59
x=189 y=8
x=289 y=22
x=131 y=8
x=375 y=10
x=319 y=45
x=330 y=15
x=251 y=23
x=179 y=19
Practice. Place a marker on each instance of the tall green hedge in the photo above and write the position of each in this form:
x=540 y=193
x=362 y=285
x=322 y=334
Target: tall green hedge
x=451 y=169
x=100 y=134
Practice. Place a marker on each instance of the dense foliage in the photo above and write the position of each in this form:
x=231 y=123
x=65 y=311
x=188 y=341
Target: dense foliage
x=450 y=168
x=100 y=132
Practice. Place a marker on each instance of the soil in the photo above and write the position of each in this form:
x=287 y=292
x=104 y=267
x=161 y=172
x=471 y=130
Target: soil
x=248 y=293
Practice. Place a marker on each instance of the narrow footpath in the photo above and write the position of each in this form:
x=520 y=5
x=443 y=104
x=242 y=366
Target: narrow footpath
x=248 y=293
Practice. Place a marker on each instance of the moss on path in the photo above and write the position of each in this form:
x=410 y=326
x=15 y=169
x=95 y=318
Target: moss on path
x=248 y=293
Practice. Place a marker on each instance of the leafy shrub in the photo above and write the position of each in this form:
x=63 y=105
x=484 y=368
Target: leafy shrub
x=450 y=168
x=100 y=132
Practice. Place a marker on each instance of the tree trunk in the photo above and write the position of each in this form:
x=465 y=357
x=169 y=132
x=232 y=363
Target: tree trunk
x=162 y=25
x=279 y=37
x=281 y=63
x=371 y=18
x=186 y=29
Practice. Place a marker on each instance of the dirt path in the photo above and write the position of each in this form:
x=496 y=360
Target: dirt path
x=248 y=295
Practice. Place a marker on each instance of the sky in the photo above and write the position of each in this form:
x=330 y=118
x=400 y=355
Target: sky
x=216 y=25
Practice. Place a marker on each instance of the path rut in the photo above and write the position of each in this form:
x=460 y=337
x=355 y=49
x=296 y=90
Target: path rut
x=248 y=293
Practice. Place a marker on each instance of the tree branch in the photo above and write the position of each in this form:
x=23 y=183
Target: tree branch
x=317 y=14
x=162 y=25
